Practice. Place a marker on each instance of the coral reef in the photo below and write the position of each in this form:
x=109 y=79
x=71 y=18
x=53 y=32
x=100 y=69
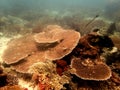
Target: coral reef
x=28 y=49
x=59 y=58
x=88 y=52
x=74 y=49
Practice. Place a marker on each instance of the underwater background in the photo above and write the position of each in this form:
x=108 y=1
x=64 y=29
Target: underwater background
x=57 y=11
x=102 y=7
x=60 y=44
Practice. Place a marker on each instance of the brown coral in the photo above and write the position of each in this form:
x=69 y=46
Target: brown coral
x=49 y=35
x=69 y=40
x=64 y=41
x=88 y=64
x=89 y=70
x=53 y=44
x=18 y=49
x=24 y=65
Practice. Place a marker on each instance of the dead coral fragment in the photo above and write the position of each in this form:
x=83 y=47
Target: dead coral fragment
x=90 y=70
x=18 y=49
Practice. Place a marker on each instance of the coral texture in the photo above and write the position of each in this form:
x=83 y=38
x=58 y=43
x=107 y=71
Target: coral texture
x=89 y=65
x=30 y=49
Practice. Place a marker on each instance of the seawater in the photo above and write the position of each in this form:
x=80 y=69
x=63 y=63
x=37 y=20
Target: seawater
x=103 y=7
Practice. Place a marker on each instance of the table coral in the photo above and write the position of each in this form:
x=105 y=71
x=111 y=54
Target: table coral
x=28 y=50
x=23 y=66
x=89 y=70
x=69 y=40
x=18 y=49
x=89 y=65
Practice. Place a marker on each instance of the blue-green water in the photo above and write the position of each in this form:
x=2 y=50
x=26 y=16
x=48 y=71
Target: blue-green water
x=92 y=6
x=17 y=15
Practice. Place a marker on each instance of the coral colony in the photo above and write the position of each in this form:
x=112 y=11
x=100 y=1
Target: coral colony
x=58 y=59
